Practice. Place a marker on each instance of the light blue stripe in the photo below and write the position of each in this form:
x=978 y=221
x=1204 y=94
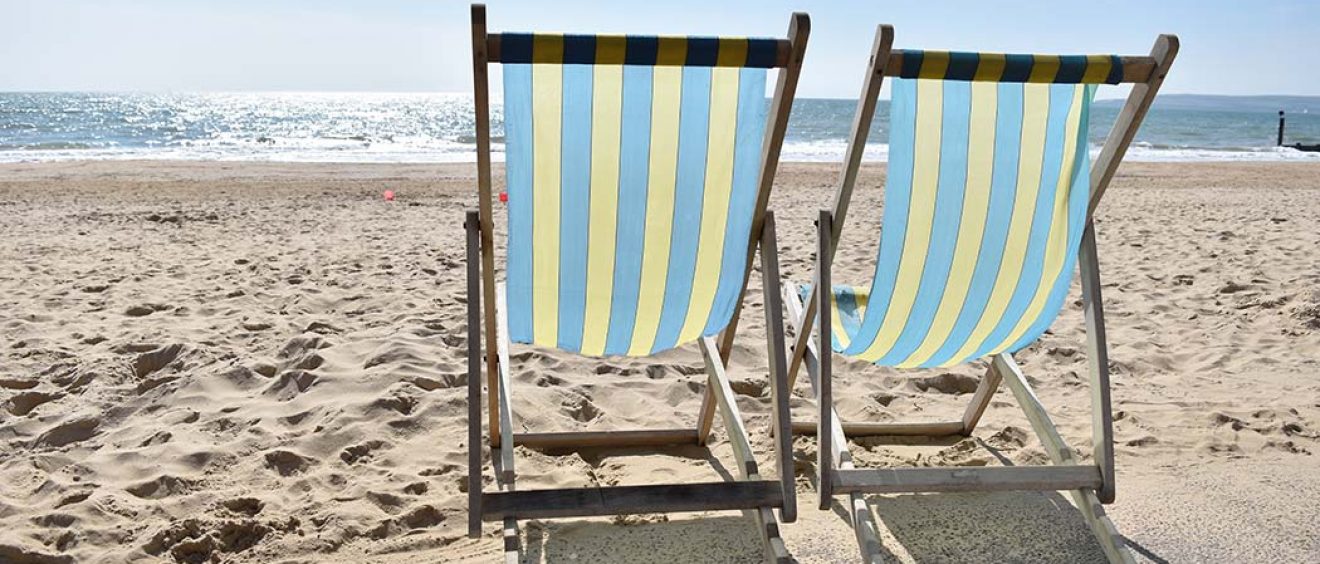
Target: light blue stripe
x=630 y=234
x=746 y=176
x=693 y=136
x=950 y=187
x=574 y=204
x=1078 y=201
x=847 y=298
x=518 y=173
x=1060 y=100
x=898 y=197
x=999 y=211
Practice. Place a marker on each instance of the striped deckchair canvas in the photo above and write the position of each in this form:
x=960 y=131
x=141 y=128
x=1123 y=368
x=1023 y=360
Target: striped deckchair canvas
x=984 y=209
x=631 y=186
x=987 y=214
x=638 y=172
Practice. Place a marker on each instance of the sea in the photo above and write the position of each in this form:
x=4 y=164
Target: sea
x=426 y=127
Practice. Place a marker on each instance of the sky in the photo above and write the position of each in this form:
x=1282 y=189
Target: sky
x=1228 y=47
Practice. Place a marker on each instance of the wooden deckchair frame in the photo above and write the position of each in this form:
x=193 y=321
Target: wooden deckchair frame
x=752 y=494
x=1090 y=485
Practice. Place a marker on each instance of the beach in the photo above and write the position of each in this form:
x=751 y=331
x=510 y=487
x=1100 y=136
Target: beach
x=266 y=362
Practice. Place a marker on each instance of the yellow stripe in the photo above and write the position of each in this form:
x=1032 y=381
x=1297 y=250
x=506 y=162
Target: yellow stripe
x=733 y=52
x=715 y=199
x=1056 y=246
x=836 y=321
x=976 y=203
x=1035 y=113
x=667 y=84
x=1044 y=69
x=548 y=48
x=921 y=215
x=671 y=51
x=934 y=64
x=990 y=67
x=611 y=49
x=1097 y=69
x=606 y=107
x=547 y=112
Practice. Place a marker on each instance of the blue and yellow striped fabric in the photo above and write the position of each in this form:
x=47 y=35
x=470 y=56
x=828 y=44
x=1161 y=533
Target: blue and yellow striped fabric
x=984 y=211
x=631 y=195
x=1000 y=67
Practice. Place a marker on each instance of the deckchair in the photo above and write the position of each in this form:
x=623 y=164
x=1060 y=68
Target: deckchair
x=639 y=170
x=988 y=207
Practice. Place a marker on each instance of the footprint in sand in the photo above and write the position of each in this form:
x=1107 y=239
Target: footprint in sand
x=68 y=433
x=288 y=463
x=23 y=403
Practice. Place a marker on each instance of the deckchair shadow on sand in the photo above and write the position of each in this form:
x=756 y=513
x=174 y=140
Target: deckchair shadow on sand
x=988 y=206
x=639 y=170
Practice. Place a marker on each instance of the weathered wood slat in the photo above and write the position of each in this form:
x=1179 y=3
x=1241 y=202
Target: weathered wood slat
x=481 y=113
x=474 y=372
x=825 y=400
x=866 y=429
x=1097 y=357
x=503 y=389
x=981 y=399
x=781 y=420
x=722 y=394
x=967 y=479
x=597 y=439
x=624 y=500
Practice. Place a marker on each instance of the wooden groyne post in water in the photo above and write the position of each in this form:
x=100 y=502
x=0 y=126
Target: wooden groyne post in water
x=1280 y=142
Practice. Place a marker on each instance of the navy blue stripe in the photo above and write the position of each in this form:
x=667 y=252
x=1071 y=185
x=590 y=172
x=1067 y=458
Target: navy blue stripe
x=579 y=49
x=962 y=66
x=641 y=50
x=702 y=51
x=1115 y=70
x=516 y=48
x=762 y=53
x=1071 y=69
x=1017 y=68
x=911 y=64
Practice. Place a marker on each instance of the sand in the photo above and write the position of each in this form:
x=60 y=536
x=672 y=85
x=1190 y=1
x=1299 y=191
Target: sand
x=265 y=363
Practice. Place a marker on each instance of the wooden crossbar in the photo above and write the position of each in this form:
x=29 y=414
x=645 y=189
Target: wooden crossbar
x=866 y=429
x=966 y=479
x=599 y=439
x=621 y=500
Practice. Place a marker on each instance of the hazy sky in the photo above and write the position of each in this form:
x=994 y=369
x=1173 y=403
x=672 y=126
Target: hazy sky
x=1228 y=47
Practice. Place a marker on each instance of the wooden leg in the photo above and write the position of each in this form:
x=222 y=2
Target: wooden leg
x=503 y=394
x=742 y=448
x=706 y=416
x=824 y=398
x=506 y=476
x=981 y=399
x=1097 y=354
x=862 y=519
x=474 y=374
x=1085 y=499
x=779 y=390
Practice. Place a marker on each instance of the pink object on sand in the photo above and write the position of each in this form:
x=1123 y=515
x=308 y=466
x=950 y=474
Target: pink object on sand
x=504 y=197
x=389 y=195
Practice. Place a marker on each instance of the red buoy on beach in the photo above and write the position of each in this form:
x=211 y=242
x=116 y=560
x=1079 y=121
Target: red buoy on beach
x=504 y=197
x=389 y=195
